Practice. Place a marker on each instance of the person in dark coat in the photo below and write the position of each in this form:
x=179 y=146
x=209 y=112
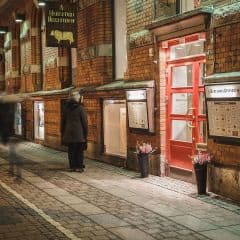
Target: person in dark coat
x=74 y=131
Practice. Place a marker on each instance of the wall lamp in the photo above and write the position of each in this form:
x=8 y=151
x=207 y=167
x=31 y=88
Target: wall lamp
x=19 y=17
x=41 y=3
x=3 y=30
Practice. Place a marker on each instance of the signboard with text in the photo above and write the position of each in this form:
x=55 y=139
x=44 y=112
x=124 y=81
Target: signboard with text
x=61 y=24
x=223 y=111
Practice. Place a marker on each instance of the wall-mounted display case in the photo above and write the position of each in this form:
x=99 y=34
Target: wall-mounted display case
x=223 y=111
x=140 y=108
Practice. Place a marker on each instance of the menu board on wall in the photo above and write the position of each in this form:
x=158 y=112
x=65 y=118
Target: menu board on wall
x=140 y=106
x=137 y=114
x=223 y=110
x=224 y=118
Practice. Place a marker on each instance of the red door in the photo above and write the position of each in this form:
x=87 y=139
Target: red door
x=186 y=119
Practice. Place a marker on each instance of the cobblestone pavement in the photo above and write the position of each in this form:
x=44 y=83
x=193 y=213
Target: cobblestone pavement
x=104 y=202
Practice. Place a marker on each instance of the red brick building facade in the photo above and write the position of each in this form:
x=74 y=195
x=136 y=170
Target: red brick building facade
x=122 y=47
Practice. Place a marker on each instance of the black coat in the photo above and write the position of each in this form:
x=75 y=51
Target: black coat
x=74 y=123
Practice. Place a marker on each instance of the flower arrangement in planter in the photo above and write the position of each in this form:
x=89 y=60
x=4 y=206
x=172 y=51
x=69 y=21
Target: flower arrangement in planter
x=200 y=161
x=201 y=158
x=144 y=148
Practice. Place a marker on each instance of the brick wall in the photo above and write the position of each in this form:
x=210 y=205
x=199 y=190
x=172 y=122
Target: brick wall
x=139 y=14
x=52 y=114
x=141 y=57
x=94 y=34
x=223 y=50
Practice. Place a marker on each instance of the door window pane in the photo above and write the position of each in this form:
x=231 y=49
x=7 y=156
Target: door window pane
x=182 y=76
x=202 y=107
x=181 y=102
x=181 y=131
x=187 y=49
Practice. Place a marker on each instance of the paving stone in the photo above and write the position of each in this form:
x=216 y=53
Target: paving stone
x=90 y=205
x=193 y=223
x=221 y=234
x=131 y=233
x=108 y=220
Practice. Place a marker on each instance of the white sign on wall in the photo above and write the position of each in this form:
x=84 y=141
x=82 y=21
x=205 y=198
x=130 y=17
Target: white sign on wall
x=223 y=91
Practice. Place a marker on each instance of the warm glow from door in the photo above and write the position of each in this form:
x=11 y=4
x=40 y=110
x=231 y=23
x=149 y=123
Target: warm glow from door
x=39 y=120
x=115 y=131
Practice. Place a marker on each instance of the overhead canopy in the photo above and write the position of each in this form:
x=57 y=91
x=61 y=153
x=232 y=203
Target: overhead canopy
x=223 y=77
x=125 y=85
x=182 y=24
x=13 y=98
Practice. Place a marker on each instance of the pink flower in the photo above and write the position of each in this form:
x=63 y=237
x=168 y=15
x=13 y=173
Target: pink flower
x=144 y=148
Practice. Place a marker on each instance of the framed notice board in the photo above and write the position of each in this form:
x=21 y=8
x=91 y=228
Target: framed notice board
x=223 y=111
x=140 y=108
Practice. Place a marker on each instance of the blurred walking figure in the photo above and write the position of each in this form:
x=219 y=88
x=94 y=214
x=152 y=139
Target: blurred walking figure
x=7 y=136
x=74 y=131
x=13 y=158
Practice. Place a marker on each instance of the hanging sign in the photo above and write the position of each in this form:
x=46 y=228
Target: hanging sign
x=61 y=24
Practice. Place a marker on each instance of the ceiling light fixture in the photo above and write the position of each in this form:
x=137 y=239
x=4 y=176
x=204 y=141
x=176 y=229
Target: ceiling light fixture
x=41 y=3
x=3 y=30
x=19 y=17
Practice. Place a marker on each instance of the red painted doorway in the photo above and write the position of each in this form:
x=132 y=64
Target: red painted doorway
x=186 y=121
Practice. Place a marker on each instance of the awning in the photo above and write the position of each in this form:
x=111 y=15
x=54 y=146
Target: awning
x=223 y=77
x=52 y=92
x=13 y=98
x=183 y=24
x=125 y=85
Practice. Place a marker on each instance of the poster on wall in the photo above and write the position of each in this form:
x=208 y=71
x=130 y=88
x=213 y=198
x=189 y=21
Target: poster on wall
x=61 y=24
x=223 y=111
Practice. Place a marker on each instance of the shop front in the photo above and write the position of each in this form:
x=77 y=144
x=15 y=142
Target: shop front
x=182 y=57
x=186 y=120
x=39 y=120
x=115 y=128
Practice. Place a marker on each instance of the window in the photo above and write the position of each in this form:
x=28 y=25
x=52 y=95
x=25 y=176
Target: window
x=120 y=38
x=168 y=8
x=186 y=5
x=187 y=49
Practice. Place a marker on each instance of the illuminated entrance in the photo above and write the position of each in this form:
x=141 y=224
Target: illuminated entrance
x=186 y=120
x=39 y=120
x=115 y=129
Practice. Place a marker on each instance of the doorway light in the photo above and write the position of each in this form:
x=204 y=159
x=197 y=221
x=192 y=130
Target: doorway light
x=3 y=30
x=41 y=3
x=20 y=17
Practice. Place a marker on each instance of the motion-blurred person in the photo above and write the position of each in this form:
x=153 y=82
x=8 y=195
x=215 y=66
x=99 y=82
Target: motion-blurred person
x=74 y=131
x=7 y=136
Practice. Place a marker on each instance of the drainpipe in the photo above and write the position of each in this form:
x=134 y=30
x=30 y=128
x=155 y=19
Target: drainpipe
x=41 y=48
x=113 y=41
